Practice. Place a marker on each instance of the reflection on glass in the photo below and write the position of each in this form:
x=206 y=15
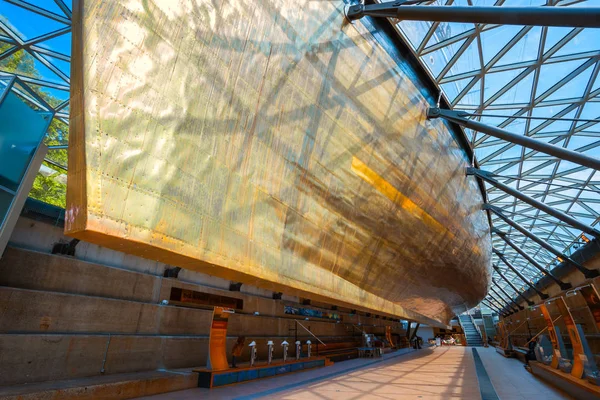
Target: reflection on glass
x=21 y=131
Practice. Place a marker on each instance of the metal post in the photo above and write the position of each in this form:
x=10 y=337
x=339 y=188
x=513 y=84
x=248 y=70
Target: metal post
x=510 y=299
x=488 y=177
x=588 y=273
x=252 y=353
x=525 y=141
x=543 y=16
x=512 y=286
x=269 y=351
x=544 y=296
x=503 y=236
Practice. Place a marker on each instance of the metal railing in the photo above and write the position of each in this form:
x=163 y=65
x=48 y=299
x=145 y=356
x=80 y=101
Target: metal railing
x=468 y=312
x=313 y=335
x=474 y=324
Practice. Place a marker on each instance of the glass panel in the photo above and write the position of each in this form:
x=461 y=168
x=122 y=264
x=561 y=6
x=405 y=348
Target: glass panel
x=21 y=131
x=3 y=85
x=27 y=24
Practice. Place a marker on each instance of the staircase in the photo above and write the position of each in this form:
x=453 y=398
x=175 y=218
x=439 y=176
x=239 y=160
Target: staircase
x=471 y=333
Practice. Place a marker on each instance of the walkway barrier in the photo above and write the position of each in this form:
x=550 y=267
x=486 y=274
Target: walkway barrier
x=566 y=330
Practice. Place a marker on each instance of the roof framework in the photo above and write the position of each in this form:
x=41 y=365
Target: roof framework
x=35 y=45
x=548 y=75
x=494 y=71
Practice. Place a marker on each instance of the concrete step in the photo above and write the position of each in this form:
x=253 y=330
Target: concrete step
x=119 y=386
x=29 y=269
x=29 y=358
x=33 y=358
x=63 y=318
x=35 y=311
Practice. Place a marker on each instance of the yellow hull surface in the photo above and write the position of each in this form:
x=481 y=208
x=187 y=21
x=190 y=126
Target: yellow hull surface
x=271 y=143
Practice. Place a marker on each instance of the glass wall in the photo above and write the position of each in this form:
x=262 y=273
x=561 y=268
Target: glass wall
x=24 y=123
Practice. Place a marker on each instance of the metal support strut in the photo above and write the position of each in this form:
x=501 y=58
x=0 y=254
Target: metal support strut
x=461 y=119
x=584 y=17
x=529 y=302
x=493 y=307
x=506 y=303
x=588 y=273
x=560 y=283
x=544 y=296
x=504 y=307
x=520 y=307
x=489 y=177
x=498 y=303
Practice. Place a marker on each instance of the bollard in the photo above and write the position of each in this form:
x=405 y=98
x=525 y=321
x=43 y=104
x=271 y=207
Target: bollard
x=252 y=353
x=270 y=352
x=285 y=349
x=298 y=349
x=308 y=343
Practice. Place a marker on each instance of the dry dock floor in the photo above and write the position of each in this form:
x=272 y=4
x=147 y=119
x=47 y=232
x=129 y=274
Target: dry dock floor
x=441 y=373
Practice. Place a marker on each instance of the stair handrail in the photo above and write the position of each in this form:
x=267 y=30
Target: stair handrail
x=313 y=335
x=467 y=311
x=362 y=331
x=463 y=329
x=473 y=321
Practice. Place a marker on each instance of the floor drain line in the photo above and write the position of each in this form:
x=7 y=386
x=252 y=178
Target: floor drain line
x=485 y=383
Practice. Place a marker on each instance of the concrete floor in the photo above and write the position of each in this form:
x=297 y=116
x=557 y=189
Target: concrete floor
x=442 y=373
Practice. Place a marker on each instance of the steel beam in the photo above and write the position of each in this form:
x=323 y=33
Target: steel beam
x=492 y=307
x=414 y=332
x=500 y=255
x=588 y=273
x=503 y=236
x=529 y=302
x=520 y=307
x=584 y=17
x=500 y=304
x=489 y=177
x=460 y=118
x=506 y=303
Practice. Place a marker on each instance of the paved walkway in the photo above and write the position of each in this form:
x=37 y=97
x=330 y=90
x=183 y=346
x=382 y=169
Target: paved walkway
x=442 y=373
x=512 y=382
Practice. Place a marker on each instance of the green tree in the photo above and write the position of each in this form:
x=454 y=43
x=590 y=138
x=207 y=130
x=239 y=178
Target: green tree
x=49 y=190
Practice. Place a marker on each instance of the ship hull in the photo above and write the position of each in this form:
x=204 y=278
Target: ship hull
x=270 y=143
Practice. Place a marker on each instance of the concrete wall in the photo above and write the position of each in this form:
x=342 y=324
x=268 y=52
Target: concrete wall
x=69 y=317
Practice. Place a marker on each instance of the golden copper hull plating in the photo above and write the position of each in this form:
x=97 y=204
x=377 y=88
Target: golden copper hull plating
x=274 y=144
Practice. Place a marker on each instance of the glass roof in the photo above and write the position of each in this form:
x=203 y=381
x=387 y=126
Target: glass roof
x=494 y=70
x=500 y=72
x=35 y=45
